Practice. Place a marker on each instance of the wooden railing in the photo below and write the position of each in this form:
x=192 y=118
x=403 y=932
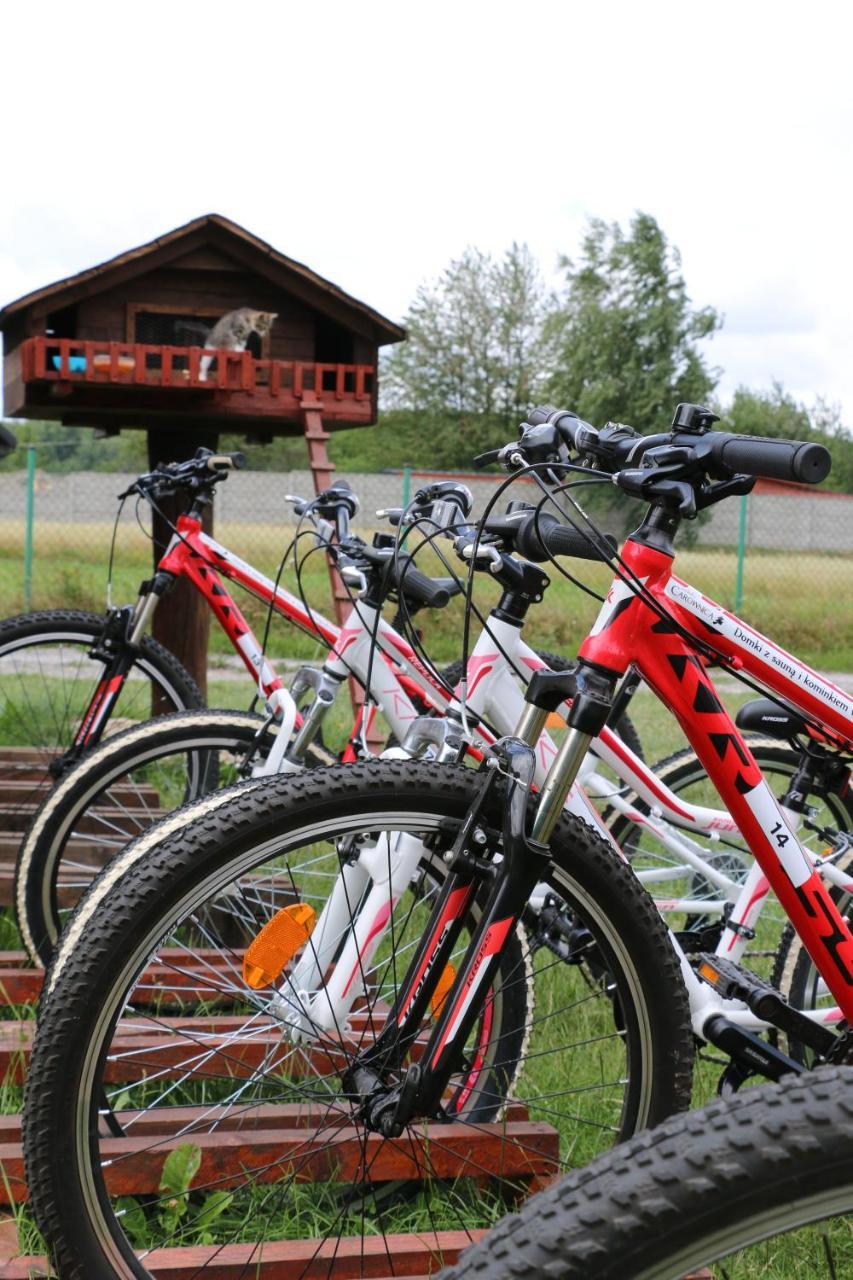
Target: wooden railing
x=141 y=364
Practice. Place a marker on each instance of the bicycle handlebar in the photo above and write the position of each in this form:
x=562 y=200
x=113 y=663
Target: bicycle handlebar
x=198 y=473
x=420 y=588
x=539 y=535
x=539 y=539
x=724 y=453
x=225 y=462
x=768 y=457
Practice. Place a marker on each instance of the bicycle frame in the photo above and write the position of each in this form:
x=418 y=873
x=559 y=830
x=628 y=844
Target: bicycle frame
x=201 y=560
x=493 y=695
x=627 y=633
x=500 y=657
x=357 y=913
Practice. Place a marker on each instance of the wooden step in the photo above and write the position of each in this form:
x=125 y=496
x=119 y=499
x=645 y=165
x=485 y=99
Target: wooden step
x=99 y=819
x=269 y=1116
x=141 y=1049
x=188 y=977
x=350 y=1258
x=68 y=894
x=69 y=886
x=11 y=784
x=14 y=791
x=510 y=1150
x=10 y=756
x=85 y=852
x=192 y=975
x=184 y=977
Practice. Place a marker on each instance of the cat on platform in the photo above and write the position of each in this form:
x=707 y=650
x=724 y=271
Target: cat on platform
x=232 y=332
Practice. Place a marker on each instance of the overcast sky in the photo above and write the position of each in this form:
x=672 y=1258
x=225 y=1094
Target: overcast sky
x=375 y=141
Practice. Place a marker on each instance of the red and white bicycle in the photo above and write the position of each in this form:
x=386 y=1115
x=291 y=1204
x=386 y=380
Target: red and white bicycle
x=435 y=1046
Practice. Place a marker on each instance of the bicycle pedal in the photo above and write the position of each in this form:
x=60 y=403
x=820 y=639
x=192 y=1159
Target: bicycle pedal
x=277 y=944
x=443 y=987
x=728 y=978
x=733 y=982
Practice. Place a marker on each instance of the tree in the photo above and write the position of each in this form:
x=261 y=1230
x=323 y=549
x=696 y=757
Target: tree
x=473 y=359
x=66 y=449
x=623 y=341
x=767 y=413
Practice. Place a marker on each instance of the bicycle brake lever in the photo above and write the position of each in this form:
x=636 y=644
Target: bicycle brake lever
x=486 y=459
x=726 y=488
x=353 y=577
x=648 y=483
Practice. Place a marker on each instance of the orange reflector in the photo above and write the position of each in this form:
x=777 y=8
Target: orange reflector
x=442 y=990
x=277 y=943
x=555 y=721
x=709 y=974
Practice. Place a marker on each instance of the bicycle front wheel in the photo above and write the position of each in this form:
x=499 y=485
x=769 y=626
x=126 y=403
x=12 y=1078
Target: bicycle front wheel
x=151 y=1041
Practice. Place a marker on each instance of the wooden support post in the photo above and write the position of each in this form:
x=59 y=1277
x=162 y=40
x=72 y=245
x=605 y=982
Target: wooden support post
x=182 y=619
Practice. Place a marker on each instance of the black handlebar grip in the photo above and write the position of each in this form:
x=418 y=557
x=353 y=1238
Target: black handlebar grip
x=772 y=458
x=542 y=413
x=420 y=589
x=554 y=539
x=575 y=432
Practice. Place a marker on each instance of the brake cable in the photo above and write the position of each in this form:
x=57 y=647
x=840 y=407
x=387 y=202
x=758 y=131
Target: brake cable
x=111 y=561
x=430 y=539
x=624 y=572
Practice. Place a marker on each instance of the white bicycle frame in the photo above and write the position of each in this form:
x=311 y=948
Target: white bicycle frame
x=357 y=914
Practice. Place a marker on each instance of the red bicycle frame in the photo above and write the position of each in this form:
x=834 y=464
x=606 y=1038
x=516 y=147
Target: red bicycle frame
x=194 y=555
x=628 y=633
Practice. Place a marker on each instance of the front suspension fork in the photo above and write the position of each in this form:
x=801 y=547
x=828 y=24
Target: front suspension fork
x=116 y=647
x=388 y=1109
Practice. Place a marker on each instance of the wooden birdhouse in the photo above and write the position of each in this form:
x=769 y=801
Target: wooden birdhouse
x=123 y=346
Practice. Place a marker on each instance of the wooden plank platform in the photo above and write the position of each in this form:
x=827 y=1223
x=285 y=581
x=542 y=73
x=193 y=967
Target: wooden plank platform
x=167 y=1046
x=25 y=783
x=350 y=1258
x=266 y=1142
x=181 y=977
x=271 y=1116
x=71 y=881
x=513 y=1150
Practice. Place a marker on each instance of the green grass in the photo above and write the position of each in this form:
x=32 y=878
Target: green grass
x=802 y=601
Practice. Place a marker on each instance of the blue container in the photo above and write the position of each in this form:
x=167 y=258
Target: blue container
x=76 y=364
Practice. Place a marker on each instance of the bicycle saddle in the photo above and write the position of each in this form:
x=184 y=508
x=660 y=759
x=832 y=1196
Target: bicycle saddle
x=763 y=715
